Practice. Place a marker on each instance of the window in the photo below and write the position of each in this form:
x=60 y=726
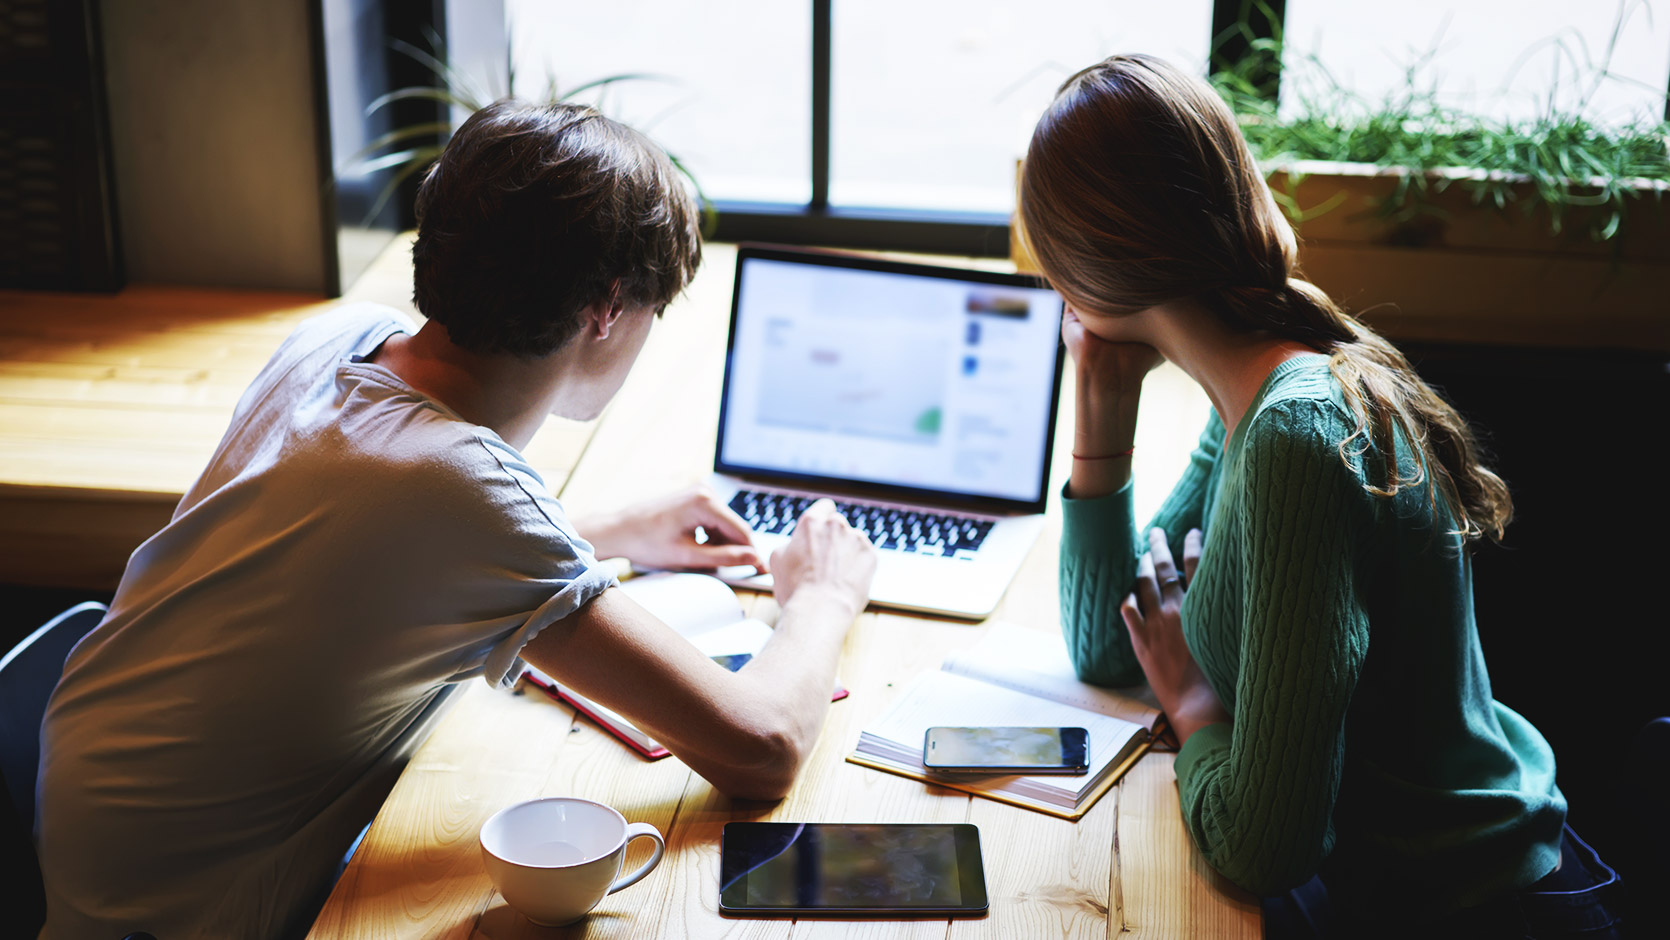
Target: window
x=933 y=102
x=897 y=123
x=731 y=92
x=1502 y=60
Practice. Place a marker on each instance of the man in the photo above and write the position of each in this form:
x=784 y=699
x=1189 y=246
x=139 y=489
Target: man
x=368 y=536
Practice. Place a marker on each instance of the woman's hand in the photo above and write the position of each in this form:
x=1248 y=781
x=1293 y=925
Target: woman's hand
x=1153 y=614
x=1116 y=368
x=1106 y=391
x=662 y=533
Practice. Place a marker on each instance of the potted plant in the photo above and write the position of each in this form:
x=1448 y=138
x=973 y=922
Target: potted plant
x=409 y=150
x=1434 y=224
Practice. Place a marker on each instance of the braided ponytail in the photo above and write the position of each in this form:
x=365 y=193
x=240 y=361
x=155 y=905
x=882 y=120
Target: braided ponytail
x=1138 y=189
x=1390 y=399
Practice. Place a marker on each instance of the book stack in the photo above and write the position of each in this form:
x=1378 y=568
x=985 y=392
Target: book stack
x=1014 y=677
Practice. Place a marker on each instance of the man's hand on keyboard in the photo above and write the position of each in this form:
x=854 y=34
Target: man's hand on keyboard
x=687 y=531
x=825 y=558
x=901 y=529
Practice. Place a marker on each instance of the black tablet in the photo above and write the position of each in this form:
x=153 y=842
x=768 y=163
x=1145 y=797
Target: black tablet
x=838 y=868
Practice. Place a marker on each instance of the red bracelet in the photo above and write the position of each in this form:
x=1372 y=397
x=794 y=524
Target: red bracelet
x=1123 y=453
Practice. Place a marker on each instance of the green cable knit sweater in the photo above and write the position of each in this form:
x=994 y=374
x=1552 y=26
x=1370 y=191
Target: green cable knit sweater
x=1337 y=628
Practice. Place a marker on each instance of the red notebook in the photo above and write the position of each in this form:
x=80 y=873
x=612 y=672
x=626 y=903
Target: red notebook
x=701 y=608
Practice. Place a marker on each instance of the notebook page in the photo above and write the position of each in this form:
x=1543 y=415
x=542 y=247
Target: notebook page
x=612 y=718
x=689 y=603
x=1036 y=663
x=942 y=698
x=743 y=636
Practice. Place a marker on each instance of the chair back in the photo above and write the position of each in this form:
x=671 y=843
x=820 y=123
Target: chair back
x=1647 y=775
x=27 y=676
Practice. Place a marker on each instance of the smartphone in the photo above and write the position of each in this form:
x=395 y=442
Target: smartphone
x=1007 y=750
x=733 y=661
x=836 y=869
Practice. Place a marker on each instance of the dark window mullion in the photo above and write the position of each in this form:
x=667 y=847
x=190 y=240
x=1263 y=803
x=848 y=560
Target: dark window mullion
x=822 y=27
x=960 y=233
x=1264 y=20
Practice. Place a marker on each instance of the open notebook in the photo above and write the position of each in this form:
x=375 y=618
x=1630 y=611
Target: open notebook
x=705 y=611
x=1013 y=676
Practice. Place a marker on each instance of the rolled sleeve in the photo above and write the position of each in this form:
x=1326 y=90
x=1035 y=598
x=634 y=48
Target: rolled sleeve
x=540 y=558
x=504 y=662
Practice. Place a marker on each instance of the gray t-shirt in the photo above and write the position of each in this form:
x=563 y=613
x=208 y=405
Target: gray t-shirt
x=352 y=551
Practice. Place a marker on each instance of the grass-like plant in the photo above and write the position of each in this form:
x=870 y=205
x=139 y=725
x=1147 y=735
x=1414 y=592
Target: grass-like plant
x=1559 y=161
x=411 y=149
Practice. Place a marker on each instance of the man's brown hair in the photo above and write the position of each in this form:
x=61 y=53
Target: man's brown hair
x=534 y=213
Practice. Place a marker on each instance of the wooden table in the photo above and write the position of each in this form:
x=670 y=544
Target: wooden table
x=1127 y=868
x=110 y=405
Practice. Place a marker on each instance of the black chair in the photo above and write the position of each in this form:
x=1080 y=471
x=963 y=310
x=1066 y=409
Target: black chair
x=1646 y=794
x=27 y=676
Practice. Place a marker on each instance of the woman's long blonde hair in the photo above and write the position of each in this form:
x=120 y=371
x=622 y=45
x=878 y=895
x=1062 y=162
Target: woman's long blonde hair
x=1139 y=189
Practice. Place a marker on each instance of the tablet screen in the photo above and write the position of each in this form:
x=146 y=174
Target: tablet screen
x=811 y=867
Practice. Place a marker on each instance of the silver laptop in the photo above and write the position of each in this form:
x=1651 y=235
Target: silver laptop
x=921 y=399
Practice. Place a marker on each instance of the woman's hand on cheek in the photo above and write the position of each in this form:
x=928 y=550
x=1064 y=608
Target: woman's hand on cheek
x=1153 y=614
x=1106 y=365
x=1106 y=392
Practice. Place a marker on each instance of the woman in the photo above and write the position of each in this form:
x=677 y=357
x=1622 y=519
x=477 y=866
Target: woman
x=1324 y=676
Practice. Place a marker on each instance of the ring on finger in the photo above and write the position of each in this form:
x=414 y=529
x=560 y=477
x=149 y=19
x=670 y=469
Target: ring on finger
x=1176 y=579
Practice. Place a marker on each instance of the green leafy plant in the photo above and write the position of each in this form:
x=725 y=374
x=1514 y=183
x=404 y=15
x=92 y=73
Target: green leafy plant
x=1558 y=161
x=410 y=150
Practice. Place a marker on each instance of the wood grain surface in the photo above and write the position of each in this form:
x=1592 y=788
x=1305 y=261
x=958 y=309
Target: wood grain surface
x=109 y=406
x=1126 y=868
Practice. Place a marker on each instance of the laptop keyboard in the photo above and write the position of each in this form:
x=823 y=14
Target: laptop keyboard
x=925 y=533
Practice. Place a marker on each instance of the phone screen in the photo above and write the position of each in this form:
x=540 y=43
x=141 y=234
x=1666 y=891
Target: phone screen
x=1026 y=750
x=827 y=867
x=733 y=661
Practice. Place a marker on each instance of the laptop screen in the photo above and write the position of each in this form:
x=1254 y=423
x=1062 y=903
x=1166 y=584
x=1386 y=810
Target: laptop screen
x=897 y=377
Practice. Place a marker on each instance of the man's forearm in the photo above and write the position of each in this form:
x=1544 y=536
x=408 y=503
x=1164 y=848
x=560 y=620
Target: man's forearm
x=795 y=672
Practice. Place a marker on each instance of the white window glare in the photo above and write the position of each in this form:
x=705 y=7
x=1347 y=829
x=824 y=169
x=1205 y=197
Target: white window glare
x=725 y=88
x=933 y=101
x=1506 y=60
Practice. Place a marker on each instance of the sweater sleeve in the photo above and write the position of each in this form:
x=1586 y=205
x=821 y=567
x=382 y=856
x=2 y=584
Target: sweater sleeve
x=1099 y=551
x=1258 y=794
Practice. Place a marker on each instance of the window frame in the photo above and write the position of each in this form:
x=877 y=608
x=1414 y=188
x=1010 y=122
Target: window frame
x=978 y=234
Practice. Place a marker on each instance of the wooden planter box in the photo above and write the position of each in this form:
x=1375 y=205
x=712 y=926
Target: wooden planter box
x=1461 y=272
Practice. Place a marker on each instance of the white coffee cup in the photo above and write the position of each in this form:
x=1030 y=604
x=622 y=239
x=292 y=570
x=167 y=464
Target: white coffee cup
x=554 y=859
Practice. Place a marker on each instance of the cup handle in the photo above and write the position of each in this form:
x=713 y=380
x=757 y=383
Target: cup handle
x=641 y=830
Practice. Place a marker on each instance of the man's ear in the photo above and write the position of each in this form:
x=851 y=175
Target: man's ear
x=605 y=313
